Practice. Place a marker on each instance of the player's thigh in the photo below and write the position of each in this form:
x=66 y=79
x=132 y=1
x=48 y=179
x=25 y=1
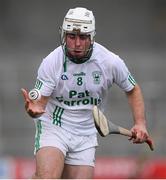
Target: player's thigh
x=78 y=172
x=49 y=163
x=80 y=165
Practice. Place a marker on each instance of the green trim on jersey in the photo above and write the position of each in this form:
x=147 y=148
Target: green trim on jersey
x=38 y=134
x=131 y=80
x=38 y=84
x=65 y=63
x=57 y=114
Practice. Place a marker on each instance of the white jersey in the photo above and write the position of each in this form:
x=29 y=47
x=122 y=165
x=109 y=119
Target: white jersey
x=75 y=88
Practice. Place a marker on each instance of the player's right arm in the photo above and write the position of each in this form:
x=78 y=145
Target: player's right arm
x=35 y=108
x=45 y=82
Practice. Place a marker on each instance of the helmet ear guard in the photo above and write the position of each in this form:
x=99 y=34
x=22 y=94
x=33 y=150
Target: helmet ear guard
x=62 y=35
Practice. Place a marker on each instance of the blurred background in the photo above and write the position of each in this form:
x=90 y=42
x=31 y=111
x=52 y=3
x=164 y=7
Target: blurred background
x=135 y=30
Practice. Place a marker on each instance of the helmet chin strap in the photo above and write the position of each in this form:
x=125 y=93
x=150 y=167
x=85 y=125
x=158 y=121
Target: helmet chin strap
x=79 y=60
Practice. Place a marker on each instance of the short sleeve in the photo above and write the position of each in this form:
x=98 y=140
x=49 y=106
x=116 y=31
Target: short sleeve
x=121 y=75
x=46 y=81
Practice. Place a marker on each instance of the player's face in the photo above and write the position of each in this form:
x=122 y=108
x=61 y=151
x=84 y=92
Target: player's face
x=77 y=44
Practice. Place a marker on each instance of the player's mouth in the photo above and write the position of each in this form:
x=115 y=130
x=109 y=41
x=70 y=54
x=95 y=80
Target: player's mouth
x=78 y=51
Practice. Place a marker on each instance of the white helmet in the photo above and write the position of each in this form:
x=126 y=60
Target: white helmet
x=78 y=19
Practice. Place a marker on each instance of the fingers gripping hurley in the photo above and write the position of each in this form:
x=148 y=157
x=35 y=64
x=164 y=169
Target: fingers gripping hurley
x=106 y=127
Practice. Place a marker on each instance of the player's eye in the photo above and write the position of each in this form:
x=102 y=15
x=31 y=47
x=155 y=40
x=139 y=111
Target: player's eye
x=83 y=36
x=71 y=36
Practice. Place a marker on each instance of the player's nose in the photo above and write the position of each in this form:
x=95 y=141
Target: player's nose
x=77 y=41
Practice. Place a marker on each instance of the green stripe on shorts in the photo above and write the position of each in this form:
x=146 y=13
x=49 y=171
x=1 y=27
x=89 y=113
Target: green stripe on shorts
x=57 y=114
x=38 y=134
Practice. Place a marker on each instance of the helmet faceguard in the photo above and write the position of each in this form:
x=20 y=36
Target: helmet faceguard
x=78 y=20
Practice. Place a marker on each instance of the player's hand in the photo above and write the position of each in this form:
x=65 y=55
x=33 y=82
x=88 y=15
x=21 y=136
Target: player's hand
x=140 y=134
x=34 y=108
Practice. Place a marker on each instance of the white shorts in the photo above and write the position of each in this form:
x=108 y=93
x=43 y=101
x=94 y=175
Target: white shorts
x=78 y=150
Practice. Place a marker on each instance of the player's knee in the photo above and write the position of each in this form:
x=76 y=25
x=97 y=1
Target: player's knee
x=46 y=174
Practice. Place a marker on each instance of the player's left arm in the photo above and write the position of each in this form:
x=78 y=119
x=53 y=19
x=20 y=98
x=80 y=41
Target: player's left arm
x=136 y=103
